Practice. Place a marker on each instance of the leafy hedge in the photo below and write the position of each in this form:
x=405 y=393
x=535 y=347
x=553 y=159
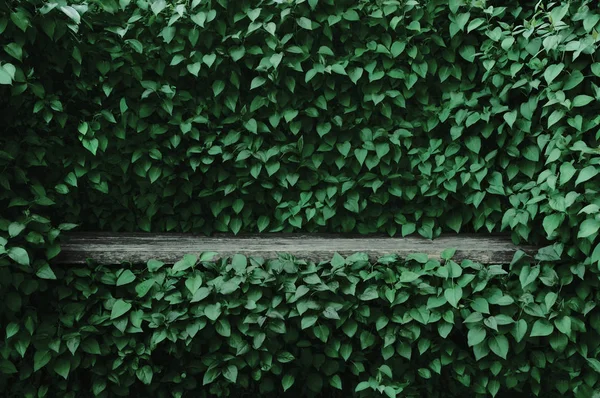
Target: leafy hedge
x=347 y=327
x=371 y=116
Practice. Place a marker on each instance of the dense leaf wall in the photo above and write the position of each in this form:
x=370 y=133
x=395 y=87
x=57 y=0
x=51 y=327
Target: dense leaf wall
x=376 y=116
x=373 y=116
x=287 y=327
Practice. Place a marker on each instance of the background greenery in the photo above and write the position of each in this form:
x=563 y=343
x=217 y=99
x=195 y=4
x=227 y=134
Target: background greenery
x=347 y=327
x=373 y=116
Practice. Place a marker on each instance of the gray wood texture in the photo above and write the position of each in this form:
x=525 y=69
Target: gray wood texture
x=117 y=248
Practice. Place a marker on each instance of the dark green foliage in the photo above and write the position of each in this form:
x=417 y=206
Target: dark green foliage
x=372 y=116
x=347 y=327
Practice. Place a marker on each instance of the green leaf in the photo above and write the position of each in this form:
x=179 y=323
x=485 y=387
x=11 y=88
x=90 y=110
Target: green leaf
x=7 y=367
x=541 y=328
x=367 y=339
x=14 y=50
x=257 y=82
x=144 y=374
x=586 y=174
x=453 y=295
x=355 y=74
x=239 y=262
x=346 y=351
x=143 y=288
x=62 y=366
x=154 y=265
x=5 y=76
x=563 y=324
x=532 y=153
x=510 y=117
x=408 y=276
x=188 y=261
x=119 y=308
x=499 y=345
x=321 y=332
x=19 y=255
x=73 y=15
x=476 y=335
x=45 y=272
x=212 y=311
x=157 y=6
x=582 y=100
x=231 y=373
x=223 y=327
x=448 y=253
x=528 y=275
x=40 y=359
x=370 y=293
x=474 y=144
x=552 y=71
x=193 y=283
x=331 y=313
x=336 y=382
x=552 y=222
x=194 y=68
x=287 y=381
x=263 y=223
x=588 y=228
x=467 y=52
x=305 y=23
x=91 y=346
x=125 y=278
x=555 y=117
x=15 y=228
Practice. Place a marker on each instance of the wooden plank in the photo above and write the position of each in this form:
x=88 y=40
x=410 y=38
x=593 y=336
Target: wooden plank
x=111 y=248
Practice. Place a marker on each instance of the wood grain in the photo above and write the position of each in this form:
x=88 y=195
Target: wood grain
x=117 y=248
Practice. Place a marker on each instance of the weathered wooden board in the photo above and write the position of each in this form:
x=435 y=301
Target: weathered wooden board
x=111 y=248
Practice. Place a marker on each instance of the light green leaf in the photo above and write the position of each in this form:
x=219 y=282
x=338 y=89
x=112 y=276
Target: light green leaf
x=144 y=374
x=552 y=71
x=125 y=278
x=257 y=82
x=231 y=373
x=120 y=307
x=541 y=328
x=188 y=261
x=588 y=228
x=555 y=117
x=510 y=117
x=355 y=74
x=212 y=311
x=41 y=359
x=519 y=330
x=453 y=295
x=563 y=324
x=19 y=255
x=73 y=14
x=499 y=345
x=476 y=335
x=586 y=174
x=193 y=283
x=45 y=272
x=336 y=382
x=287 y=381
x=582 y=100
x=467 y=52
x=305 y=23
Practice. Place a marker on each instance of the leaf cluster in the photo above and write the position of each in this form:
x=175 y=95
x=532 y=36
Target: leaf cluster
x=345 y=327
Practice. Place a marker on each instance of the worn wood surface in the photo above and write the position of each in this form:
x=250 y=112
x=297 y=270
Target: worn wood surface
x=111 y=248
